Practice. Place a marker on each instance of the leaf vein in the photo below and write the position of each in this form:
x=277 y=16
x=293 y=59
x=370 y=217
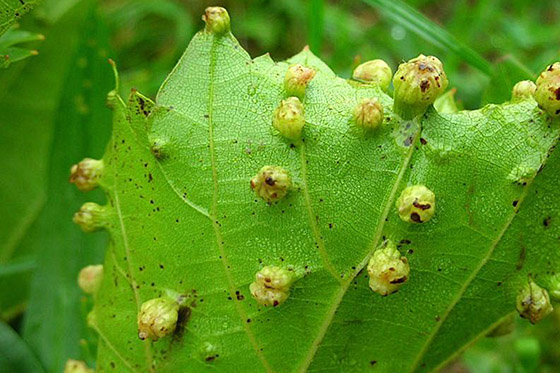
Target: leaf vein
x=473 y=275
x=214 y=207
x=312 y=217
x=375 y=241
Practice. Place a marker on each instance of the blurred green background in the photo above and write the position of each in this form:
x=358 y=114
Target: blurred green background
x=52 y=114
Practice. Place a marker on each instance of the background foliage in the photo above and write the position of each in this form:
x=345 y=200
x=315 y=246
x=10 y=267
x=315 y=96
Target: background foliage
x=52 y=113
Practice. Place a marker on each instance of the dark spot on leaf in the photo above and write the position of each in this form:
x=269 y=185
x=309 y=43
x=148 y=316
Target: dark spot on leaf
x=546 y=221
x=514 y=203
x=423 y=141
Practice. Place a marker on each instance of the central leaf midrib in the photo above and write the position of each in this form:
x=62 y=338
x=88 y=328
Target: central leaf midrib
x=378 y=232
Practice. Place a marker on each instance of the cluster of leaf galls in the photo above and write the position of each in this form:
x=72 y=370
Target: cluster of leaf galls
x=417 y=83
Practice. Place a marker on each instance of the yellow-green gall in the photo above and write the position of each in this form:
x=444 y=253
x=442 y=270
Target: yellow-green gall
x=76 y=366
x=289 y=118
x=272 y=286
x=416 y=204
x=158 y=318
x=208 y=352
x=533 y=302
x=548 y=90
x=217 y=20
x=417 y=84
x=375 y=72
x=91 y=217
x=86 y=174
x=387 y=270
x=159 y=147
x=368 y=114
x=296 y=80
x=523 y=90
x=271 y=183
x=90 y=278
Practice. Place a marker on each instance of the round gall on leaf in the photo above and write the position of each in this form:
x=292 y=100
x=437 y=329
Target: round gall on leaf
x=548 y=90
x=417 y=84
x=297 y=79
x=157 y=318
x=91 y=217
x=523 y=90
x=86 y=174
x=90 y=278
x=272 y=286
x=76 y=366
x=416 y=204
x=387 y=270
x=271 y=183
x=289 y=118
x=159 y=147
x=533 y=303
x=217 y=20
x=368 y=114
x=375 y=72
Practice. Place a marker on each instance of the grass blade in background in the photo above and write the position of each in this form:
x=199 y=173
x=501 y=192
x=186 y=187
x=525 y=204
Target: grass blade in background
x=15 y=354
x=416 y=22
x=316 y=22
x=30 y=94
x=54 y=322
x=14 y=280
x=508 y=71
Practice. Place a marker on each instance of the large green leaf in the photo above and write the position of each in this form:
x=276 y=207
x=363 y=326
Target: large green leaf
x=11 y=10
x=188 y=222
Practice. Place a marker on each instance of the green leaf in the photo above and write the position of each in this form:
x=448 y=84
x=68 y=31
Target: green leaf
x=185 y=220
x=15 y=354
x=11 y=10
